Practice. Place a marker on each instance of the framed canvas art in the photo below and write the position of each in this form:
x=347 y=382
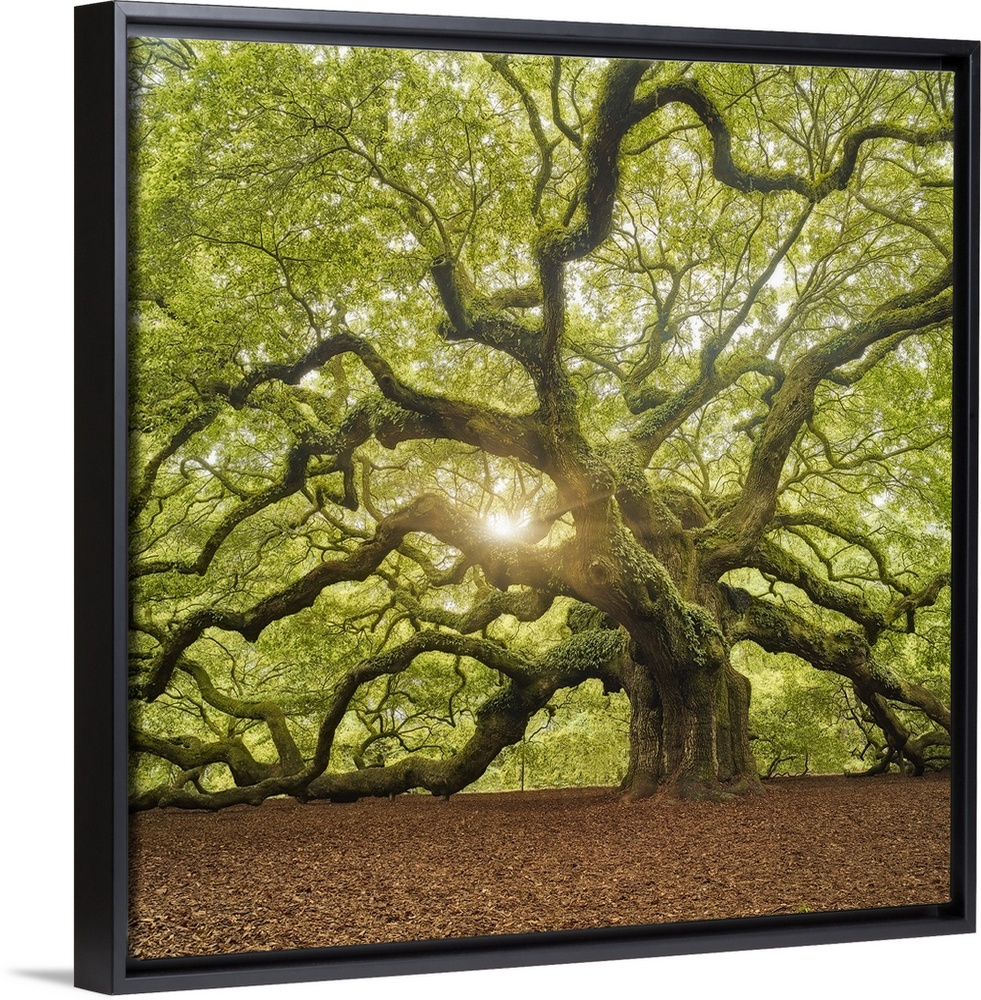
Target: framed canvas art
x=526 y=505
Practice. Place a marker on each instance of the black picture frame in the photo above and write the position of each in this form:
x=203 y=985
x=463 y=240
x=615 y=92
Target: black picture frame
x=101 y=596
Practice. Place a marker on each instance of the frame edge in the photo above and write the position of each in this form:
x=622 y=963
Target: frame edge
x=99 y=233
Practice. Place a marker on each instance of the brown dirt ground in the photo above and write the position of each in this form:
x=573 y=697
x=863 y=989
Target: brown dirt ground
x=286 y=875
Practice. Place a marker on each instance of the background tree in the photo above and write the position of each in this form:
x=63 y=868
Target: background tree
x=462 y=380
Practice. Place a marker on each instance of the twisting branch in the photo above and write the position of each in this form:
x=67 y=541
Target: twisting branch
x=734 y=534
x=726 y=170
x=265 y=710
x=778 y=629
x=500 y=721
x=192 y=755
x=524 y=605
x=503 y=564
x=471 y=319
x=601 y=167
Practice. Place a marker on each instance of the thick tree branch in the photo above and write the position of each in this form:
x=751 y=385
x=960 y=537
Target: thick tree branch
x=501 y=721
x=473 y=319
x=524 y=605
x=777 y=629
x=727 y=171
x=601 y=167
x=771 y=559
x=735 y=533
x=192 y=754
x=265 y=710
x=503 y=564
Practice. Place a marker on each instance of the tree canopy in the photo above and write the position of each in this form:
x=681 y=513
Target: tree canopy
x=488 y=401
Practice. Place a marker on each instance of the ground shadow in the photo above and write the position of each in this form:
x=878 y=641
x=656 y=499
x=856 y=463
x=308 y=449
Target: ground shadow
x=64 y=977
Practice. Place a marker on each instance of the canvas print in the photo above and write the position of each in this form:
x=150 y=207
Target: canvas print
x=540 y=492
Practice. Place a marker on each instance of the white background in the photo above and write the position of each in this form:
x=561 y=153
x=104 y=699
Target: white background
x=36 y=553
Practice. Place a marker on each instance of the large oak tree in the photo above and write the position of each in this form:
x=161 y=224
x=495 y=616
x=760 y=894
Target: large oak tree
x=461 y=380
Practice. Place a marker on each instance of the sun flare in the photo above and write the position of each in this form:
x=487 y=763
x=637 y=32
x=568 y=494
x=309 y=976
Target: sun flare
x=505 y=525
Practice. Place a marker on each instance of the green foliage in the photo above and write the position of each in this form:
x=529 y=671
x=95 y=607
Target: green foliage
x=363 y=487
x=797 y=719
x=579 y=740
